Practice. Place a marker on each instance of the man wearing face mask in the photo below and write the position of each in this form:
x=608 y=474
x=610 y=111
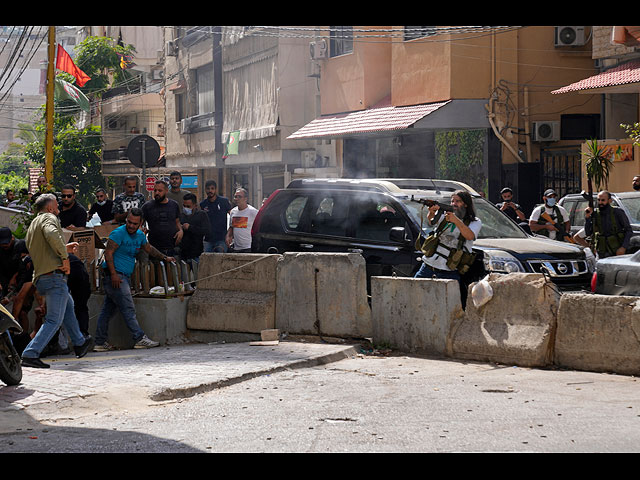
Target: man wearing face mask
x=549 y=219
x=195 y=224
x=608 y=226
x=103 y=206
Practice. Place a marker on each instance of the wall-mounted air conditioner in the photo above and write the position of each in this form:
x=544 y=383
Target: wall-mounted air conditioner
x=185 y=125
x=171 y=49
x=548 y=131
x=569 y=36
x=157 y=74
x=308 y=159
x=318 y=49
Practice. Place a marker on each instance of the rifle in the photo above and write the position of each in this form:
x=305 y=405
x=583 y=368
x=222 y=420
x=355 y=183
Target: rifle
x=545 y=217
x=429 y=203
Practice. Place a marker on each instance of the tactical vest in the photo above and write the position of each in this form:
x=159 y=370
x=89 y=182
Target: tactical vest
x=606 y=244
x=458 y=259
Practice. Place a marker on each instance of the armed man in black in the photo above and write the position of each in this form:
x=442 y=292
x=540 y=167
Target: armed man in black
x=608 y=227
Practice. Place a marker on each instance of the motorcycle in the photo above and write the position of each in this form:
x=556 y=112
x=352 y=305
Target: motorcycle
x=10 y=362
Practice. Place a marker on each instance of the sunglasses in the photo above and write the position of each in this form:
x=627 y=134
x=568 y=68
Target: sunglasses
x=66 y=196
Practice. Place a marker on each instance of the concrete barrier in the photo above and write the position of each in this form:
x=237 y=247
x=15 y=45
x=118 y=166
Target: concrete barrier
x=323 y=293
x=516 y=327
x=162 y=319
x=599 y=333
x=414 y=315
x=235 y=293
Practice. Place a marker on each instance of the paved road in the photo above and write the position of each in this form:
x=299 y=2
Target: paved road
x=341 y=401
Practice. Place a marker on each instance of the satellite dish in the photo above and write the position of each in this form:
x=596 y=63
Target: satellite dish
x=151 y=151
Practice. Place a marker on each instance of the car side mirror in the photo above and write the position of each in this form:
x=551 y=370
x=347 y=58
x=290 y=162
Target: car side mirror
x=398 y=234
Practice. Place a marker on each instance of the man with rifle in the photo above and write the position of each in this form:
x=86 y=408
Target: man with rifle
x=608 y=226
x=550 y=219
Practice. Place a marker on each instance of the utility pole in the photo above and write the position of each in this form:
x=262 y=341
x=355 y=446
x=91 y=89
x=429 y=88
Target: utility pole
x=48 y=144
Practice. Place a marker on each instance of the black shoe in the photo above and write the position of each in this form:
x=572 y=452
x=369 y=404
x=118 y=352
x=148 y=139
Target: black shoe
x=34 y=362
x=87 y=346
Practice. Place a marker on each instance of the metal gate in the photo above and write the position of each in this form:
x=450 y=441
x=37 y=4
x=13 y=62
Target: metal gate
x=561 y=169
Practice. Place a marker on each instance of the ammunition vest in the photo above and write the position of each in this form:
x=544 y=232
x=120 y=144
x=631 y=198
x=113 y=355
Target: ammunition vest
x=606 y=244
x=458 y=259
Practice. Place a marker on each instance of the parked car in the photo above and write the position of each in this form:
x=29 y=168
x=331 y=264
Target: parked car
x=618 y=275
x=379 y=220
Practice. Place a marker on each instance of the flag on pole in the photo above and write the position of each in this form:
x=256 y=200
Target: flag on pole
x=231 y=148
x=65 y=63
x=66 y=91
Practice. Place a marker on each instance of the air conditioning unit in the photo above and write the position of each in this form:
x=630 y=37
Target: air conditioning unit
x=546 y=131
x=185 y=125
x=569 y=36
x=318 y=49
x=171 y=49
x=157 y=74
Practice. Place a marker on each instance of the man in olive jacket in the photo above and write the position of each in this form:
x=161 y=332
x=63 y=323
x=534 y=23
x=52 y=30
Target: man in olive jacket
x=51 y=266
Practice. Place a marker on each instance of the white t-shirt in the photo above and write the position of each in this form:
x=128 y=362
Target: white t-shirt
x=449 y=237
x=535 y=216
x=241 y=221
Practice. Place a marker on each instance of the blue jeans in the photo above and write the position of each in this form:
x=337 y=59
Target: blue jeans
x=427 y=272
x=219 y=246
x=122 y=300
x=60 y=311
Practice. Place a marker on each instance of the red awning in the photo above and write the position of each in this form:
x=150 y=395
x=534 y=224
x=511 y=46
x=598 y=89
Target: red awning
x=624 y=74
x=383 y=119
x=629 y=36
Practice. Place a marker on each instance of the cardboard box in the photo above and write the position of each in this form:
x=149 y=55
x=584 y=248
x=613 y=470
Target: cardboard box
x=88 y=241
x=105 y=229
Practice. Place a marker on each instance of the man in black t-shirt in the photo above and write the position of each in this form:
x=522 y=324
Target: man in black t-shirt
x=72 y=215
x=103 y=206
x=509 y=207
x=163 y=219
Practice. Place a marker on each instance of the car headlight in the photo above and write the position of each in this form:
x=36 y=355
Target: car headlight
x=500 y=261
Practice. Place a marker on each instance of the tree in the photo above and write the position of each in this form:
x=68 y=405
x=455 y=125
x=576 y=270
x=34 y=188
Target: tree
x=597 y=165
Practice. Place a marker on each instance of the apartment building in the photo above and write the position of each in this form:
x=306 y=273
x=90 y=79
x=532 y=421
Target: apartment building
x=245 y=83
x=616 y=85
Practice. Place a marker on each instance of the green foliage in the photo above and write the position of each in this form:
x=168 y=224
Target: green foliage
x=597 y=164
x=99 y=57
x=633 y=131
x=460 y=156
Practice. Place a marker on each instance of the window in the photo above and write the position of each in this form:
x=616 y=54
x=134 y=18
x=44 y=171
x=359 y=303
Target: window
x=330 y=217
x=293 y=213
x=411 y=33
x=181 y=109
x=340 y=40
x=376 y=220
x=204 y=82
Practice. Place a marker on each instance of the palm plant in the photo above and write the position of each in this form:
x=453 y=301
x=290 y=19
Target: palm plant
x=597 y=164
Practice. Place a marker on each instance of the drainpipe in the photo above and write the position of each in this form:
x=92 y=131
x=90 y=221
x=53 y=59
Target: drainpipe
x=491 y=117
x=527 y=129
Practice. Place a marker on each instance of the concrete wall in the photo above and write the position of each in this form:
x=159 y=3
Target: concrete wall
x=414 y=315
x=323 y=293
x=162 y=319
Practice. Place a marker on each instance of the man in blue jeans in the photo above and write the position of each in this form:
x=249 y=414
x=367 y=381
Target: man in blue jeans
x=123 y=245
x=51 y=266
x=217 y=209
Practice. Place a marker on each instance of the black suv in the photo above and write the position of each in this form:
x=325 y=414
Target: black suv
x=381 y=221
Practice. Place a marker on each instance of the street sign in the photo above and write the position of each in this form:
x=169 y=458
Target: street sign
x=150 y=183
x=151 y=151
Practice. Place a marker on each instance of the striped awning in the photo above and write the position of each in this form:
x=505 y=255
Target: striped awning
x=383 y=119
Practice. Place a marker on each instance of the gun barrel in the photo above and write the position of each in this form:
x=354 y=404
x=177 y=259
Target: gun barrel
x=428 y=202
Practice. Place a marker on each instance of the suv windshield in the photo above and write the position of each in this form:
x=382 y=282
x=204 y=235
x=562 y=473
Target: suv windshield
x=495 y=224
x=633 y=207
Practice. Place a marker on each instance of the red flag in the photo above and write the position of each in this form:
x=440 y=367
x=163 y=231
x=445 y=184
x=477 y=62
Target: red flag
x=65 y=63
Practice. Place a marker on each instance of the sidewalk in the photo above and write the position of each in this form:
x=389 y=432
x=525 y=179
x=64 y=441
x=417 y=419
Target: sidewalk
x=163 y=373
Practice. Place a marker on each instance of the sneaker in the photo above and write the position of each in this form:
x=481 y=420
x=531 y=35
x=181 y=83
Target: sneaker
x=34 y=363
x=146 y=342
x=104 y=347
x=86 y=347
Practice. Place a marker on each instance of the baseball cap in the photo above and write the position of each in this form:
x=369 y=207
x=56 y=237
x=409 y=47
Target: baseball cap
x=549 y=192
x=5 y=236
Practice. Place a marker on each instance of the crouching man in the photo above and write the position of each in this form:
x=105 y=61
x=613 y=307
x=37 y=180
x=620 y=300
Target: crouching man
x=123 y=245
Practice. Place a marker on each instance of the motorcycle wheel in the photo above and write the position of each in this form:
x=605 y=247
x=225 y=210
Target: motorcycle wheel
x=10 y=363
